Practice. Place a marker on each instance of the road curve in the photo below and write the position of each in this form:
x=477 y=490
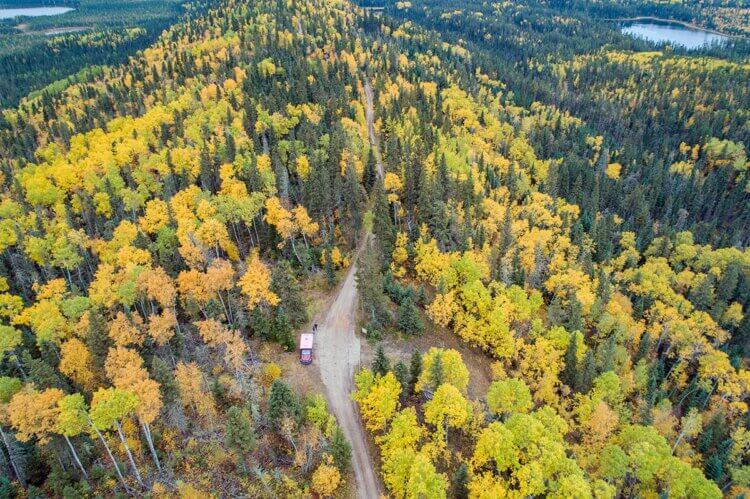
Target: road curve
x=338 y=355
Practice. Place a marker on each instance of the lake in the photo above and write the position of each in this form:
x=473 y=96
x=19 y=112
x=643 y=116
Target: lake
x=33 y=12
x=674 y=34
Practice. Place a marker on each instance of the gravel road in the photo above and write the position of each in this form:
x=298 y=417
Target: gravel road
x=338 y=353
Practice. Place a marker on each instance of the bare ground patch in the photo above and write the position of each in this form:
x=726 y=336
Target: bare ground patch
x=400 y=347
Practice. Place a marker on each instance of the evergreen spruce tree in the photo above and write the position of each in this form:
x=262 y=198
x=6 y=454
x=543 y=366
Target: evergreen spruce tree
x=556 y=312
x=656 y=376
x=164 y=375
x=285 y=285
x=575 y=314
x=381 y=365
x=282 y=330
x=639 y=306
x=382 y=227
x=604 y=287
x=702 y=295
x=437 y=374
x=518 y=274
x=409 y=320
x=41 y=373
x=714 y=468
x=370 y=288
x=341 y=450
x=282 y=402
x=460 y=482
x=415 y=369
x=506 y=233
x=370 y=174
x=402 y=375
x=728 y=283
x=587 y=373
x=97 y=340
x=330 y=271
x=353 y=201
x=608 y=354
x=373 y=331
x=260 y=325
x=570 y=372
x=644 y=347
x=240 y=434
x=443 y=180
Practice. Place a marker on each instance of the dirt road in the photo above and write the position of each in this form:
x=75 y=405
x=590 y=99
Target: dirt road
x=338 y=351
x=338 y=355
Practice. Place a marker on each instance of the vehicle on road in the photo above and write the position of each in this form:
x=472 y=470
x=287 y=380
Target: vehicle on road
x=306 y=348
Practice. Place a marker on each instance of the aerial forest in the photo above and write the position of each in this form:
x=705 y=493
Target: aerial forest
x=558 y=214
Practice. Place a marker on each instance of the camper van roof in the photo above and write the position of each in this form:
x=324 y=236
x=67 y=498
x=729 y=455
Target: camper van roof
x=306 y=340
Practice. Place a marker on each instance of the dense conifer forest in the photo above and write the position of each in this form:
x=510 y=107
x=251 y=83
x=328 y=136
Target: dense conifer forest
x=543 y=224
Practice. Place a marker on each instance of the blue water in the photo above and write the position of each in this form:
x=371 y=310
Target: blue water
x=33 y=12
x=674 y=34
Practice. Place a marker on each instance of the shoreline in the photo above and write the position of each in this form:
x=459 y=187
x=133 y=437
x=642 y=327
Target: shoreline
x=670 y=21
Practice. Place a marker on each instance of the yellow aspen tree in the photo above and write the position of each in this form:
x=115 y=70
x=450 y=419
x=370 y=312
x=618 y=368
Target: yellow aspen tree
x=33 y=414
x=400 y=255
x=124 y=332
x=155 y=217
x=108 y=408
x=304 y=223
x=8 y=388
x=161 y=327
x=193 y=394
x=124 y=367
x=378 y=398
x=447 y=409
x=216 y=334
x=220 y=279
x=72 y=421
x=255 y=283
x=76 y=363
x=443 y=308
x=192 y=286
x=157 y=285
x=10 y=338
x=452 y=371
x=326 y=478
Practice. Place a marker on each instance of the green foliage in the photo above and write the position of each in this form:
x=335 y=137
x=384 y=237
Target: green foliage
x=285 y=285
x=281 y=330
x=408 y=319
x=259 y=324
x=110 y=405
x=459 y=482
x=240 y=434
x=380 y=364
x=73 y=418
x=283 y=403
x=509 y=396
x=341 y=450
x=415 y=370
x=402 y=375
x=8 y=388
x=370 y=288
